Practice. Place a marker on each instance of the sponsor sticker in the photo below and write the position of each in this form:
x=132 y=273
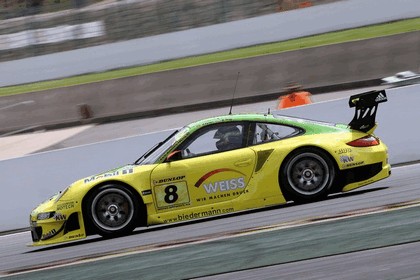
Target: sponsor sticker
x=117 y=172
x=354 y=164
x=65 y=206
x=168 y=180
x=76 y=236
x=346 y=159
x=343 y=151
x=146 y=192
x=174 y=194
x=59 y=217
x=225 y=185
x=49 y=234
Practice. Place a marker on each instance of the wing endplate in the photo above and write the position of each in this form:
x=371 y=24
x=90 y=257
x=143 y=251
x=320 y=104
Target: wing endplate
x=366 y=105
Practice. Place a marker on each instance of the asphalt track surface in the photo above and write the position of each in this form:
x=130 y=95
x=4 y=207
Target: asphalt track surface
x=398 y=261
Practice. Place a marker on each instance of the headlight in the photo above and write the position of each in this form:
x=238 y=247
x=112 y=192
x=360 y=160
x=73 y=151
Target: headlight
x=46 y=215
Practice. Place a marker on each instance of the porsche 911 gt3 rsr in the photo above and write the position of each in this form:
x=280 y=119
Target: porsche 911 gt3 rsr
x=221 y=165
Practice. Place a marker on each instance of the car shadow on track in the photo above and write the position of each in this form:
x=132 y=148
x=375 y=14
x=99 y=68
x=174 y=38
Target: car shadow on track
x=95 y=238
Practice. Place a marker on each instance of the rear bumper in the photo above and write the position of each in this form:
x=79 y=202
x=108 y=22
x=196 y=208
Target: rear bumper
x=360 y=176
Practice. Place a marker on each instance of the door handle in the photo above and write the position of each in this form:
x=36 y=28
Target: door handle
x=243 y=163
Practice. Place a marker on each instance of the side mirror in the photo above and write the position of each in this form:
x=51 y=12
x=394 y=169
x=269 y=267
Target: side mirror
x=174 y=156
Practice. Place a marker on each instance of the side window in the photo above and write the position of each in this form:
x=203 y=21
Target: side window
x=214 y=139
x=266 y=132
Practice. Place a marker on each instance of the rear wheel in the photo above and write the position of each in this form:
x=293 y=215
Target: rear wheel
x=112 y=210
x=307 y=175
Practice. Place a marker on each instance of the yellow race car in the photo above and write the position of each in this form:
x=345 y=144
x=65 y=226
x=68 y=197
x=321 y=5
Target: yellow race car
x=221 y=165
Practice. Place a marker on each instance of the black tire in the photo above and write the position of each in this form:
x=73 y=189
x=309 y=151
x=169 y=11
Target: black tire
x=112 y=211
x=307 y=175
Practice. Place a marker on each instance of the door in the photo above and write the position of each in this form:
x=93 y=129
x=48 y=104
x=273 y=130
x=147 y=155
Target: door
x=215 y=167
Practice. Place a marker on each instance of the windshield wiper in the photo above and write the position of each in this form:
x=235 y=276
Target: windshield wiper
x=154 y=148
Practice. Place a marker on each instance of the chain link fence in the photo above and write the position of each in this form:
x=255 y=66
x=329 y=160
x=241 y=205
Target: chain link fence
x=36 y=27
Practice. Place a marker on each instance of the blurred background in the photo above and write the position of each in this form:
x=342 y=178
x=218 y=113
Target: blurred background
x=35 y=27
x=44 y=42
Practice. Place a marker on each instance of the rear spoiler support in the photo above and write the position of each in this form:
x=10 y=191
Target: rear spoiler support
x=366 y=105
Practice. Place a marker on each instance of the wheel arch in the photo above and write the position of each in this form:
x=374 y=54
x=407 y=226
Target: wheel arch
x=296 y=151
x=142 y=219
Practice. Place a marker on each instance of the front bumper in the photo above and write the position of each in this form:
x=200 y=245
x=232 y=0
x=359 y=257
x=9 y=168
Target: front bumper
x=53 y=231
x=55 y=222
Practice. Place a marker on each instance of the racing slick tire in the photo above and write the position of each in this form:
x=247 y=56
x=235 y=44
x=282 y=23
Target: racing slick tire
x=307 y=175
x=112 y=211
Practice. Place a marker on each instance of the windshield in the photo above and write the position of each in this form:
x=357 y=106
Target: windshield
x=154 y=154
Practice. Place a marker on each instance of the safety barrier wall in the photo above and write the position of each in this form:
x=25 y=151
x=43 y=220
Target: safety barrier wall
x=211 y=85
x=111 y=21
x=28 y=180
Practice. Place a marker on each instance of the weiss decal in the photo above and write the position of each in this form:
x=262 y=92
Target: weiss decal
x=211 y=173
x=229 y=188
x=226 y=185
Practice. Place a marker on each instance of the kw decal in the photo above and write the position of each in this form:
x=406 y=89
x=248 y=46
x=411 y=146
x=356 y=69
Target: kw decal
x=346 y=159
x=59 y=217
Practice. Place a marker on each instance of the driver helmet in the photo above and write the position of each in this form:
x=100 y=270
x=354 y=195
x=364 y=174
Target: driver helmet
x=229 y=138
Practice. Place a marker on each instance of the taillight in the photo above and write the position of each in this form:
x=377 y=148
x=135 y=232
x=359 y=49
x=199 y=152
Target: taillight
x=366 y=141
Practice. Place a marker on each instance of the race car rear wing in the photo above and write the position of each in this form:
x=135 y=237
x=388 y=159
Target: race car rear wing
x=366 y=106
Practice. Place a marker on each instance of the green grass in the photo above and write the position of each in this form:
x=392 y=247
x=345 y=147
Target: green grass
x=272 y=48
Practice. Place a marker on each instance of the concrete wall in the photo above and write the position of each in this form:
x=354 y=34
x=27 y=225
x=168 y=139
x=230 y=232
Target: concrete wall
x=28 y=180
x=212 y=85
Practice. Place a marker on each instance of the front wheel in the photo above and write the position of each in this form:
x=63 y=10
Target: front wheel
x=112 y=210
x=307 y=175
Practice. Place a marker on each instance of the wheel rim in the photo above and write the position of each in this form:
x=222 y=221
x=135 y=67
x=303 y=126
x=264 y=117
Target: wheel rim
x=112 y=209
x=308 y=173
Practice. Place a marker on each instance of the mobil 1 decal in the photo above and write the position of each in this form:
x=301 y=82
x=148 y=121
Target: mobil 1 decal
x=220 y=184
x=171 y=192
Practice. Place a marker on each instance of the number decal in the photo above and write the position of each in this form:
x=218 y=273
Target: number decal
x=171 y=195
x=174 y=194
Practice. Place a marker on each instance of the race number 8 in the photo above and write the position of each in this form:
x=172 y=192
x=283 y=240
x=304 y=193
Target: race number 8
x=171 y=195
